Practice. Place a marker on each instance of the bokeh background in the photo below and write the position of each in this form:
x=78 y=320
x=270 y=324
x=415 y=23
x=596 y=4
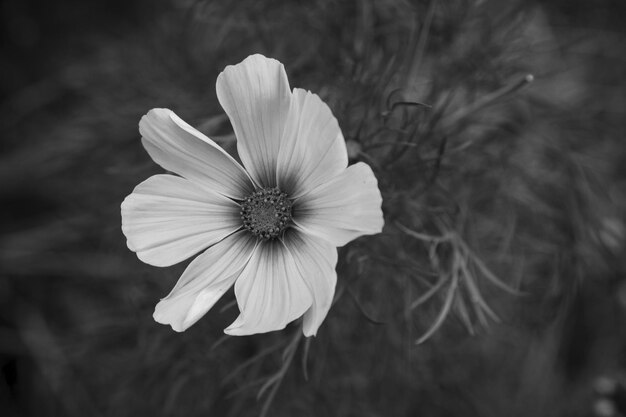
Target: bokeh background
x=526 y=182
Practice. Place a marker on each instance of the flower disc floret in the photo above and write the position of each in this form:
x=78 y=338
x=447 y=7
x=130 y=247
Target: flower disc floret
x=266 y=213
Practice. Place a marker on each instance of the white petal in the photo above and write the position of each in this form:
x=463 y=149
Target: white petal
x=167 y=219
x=180 y=148
x=204 y=281
x=270 y=291
x=255 y=95
x=316 y=261
x=313 y=149
x=342 y=209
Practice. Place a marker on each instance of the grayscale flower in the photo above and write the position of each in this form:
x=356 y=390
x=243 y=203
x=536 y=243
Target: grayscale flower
x=269 y=227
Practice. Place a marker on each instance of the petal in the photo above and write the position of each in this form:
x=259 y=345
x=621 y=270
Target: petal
x=316 y=260
x=204 y=281
x=313 y=149
x=255 y=95
x=180 y=148
x=342 y=209
x=270 y=291
x=166 y=219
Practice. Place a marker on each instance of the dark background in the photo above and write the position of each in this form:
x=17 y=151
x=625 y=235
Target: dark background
x=532 y=180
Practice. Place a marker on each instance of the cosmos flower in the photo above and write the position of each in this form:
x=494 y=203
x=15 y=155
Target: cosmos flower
x=271 y=226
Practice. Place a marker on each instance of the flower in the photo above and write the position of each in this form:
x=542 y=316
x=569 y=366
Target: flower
x=271 y=226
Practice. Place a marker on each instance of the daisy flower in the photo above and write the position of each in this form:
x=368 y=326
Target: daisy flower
x=270 y=225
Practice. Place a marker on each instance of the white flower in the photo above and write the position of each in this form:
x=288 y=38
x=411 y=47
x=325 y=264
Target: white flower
x=272 y=226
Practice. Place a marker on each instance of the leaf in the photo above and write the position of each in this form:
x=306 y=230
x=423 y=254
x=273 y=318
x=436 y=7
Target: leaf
x=362 y=310
x=428 y=294
x=474 y=291
x=464 y=314
x=444 y=311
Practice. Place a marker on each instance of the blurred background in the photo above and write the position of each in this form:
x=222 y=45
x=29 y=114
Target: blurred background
x=514 y=191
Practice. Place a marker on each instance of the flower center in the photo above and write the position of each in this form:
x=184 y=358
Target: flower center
x=266 y=212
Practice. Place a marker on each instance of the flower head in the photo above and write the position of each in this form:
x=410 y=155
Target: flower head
x=271 y=226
